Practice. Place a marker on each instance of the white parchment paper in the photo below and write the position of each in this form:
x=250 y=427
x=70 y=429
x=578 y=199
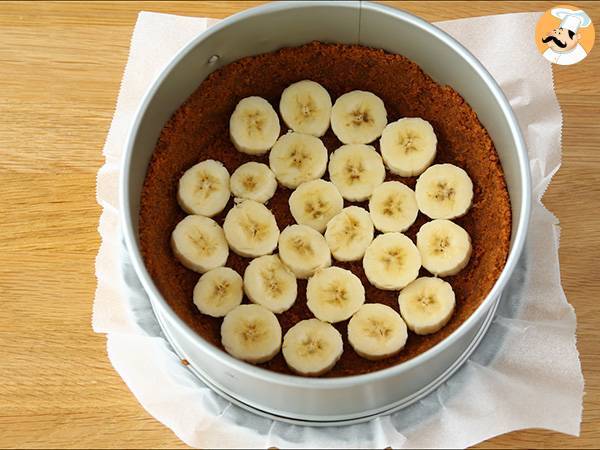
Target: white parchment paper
x=526 y=372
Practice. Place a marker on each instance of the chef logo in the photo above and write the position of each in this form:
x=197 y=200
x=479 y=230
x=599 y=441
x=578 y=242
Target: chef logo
x=565 y=35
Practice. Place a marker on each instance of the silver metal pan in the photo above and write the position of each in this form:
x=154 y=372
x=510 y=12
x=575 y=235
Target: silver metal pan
x=268 y=28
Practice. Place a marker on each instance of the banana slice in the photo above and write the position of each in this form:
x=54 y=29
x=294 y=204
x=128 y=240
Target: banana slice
x=250 y=229
x=296 y=158
x=218 y=291
x=268 y=282
x=356 y=170
x=444 y=246
x=303 y=250
x=391 y=261
x=253 y=181
x=312 y=347
x=408 y=146
x=426 y=304
x=376 y=331
x=305 y=107
x=254 y=126
x=334 y=294
x=199 y=244
x=204 y=188
x=444 y=191
x=251 y=333
x=349 y=233
x=393 y=207
x=358 y=117
x=314 y=203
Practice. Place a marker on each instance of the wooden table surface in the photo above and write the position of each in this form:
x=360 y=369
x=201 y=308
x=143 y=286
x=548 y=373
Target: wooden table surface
x=60 y=68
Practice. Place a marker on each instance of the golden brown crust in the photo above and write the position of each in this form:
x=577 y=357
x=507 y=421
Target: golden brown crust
x=199 y=130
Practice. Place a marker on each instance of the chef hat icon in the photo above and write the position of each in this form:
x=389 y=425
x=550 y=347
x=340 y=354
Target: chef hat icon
x=570 y=19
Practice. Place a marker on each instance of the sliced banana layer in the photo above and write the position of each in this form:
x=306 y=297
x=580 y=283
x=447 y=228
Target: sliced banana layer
x=356 y=170
x=251 y=333
x=254 y=126
x=334 y=294
x=444 y=191
x=204 y=188
x=199 y=244
x=312 y=347
x=349 y=233
x=218 y=291
x=445 y=247
x=391 y=261
x=297 y=158
x=268 y=282
x=408 y=146
x=426 y=304
x=305 y=107
x=358 y=117
x=304 y=250
x=253 y=181
x=314 y=203
x=393 y=207
x=376 y=331
x=250 y=229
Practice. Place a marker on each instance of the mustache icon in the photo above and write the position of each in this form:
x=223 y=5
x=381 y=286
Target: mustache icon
x=555 y=40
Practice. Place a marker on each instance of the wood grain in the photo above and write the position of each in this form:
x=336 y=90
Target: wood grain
x=60 y=68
